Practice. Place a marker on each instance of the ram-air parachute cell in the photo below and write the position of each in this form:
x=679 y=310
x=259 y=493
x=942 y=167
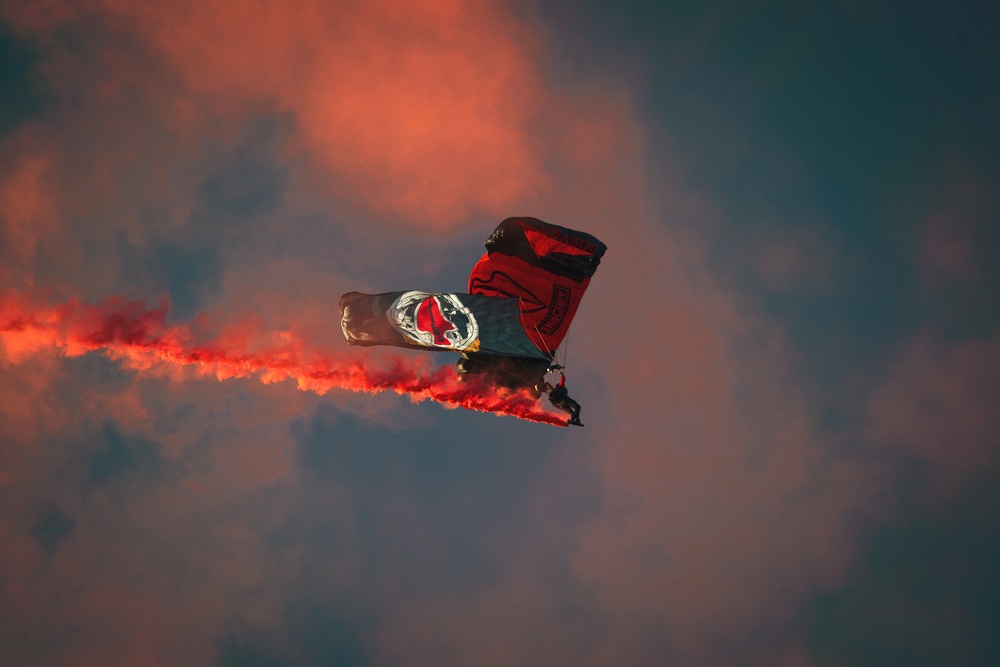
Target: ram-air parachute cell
x=523 y=294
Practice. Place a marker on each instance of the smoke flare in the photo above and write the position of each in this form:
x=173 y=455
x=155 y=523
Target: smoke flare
x=138 y=335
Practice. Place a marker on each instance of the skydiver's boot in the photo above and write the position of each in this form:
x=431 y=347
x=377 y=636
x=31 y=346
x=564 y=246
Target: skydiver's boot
x=575 y=421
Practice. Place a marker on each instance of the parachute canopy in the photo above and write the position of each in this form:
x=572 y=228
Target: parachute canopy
x=523 y=294
x=547 y=268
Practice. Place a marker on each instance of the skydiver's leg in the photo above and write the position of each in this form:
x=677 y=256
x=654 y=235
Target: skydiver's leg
x=570 y=407
x=574 y=410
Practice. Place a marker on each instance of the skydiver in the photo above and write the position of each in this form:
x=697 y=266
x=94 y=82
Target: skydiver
x=559 y=397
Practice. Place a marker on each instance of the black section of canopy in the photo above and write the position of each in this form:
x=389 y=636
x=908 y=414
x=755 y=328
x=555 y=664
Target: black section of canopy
x=509 y=239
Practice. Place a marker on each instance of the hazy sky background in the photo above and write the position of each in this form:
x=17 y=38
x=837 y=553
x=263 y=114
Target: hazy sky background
x=789 y=360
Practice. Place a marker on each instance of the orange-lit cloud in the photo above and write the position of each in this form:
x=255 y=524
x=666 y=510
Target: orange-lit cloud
x=425 y=111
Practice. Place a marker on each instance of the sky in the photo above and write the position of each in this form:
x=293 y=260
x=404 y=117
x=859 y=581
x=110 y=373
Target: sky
x=788 y=360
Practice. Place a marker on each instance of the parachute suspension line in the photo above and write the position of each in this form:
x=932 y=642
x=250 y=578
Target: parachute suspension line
x=549 y=352
x=565 y=348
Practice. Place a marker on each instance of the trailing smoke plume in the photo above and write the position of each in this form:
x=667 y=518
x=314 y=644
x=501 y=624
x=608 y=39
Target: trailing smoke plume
x=140 y=337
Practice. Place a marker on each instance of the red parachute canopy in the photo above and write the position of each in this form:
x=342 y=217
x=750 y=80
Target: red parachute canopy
x=546 y=267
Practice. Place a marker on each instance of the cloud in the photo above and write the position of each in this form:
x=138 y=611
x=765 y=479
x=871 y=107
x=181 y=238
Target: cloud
x=256 y=161
x=238 y=161
x=28 y=207
x=424 y=111
x=937 y=407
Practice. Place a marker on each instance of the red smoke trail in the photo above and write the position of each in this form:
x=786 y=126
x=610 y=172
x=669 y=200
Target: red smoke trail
x=130 y=331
